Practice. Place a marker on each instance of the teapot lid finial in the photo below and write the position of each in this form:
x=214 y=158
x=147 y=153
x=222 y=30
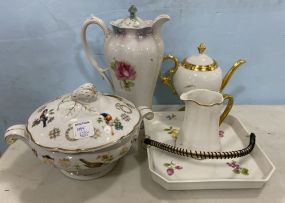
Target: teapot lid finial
x=201 y=48
x=133 y=9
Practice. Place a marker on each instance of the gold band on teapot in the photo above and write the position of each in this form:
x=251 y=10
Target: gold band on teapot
x=201 y=68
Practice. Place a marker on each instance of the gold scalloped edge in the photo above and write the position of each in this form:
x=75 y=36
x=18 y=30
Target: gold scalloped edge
x=201 y=68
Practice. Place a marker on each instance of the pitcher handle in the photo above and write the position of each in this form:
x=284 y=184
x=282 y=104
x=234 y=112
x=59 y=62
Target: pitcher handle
x=87 y=50
x=228 y=107
x=167 y=78
x=16 y=132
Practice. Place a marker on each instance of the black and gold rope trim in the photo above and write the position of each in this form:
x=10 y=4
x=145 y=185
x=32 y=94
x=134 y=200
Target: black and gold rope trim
x=202 y=154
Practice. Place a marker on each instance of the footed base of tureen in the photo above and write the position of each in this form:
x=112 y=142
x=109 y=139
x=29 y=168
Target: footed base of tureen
x=89 y=176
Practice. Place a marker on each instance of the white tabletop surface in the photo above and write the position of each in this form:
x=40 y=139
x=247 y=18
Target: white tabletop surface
x=23 y=178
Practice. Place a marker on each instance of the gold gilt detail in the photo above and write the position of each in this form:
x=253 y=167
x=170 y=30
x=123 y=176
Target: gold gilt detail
x=48 y=160
x=201 y=48
x=65 y=162
x=89 y=164
x=201 y=68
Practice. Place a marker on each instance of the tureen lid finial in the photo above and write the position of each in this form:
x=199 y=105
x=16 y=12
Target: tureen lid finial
x=201 y=48
x=133 y=9
x=85 y=93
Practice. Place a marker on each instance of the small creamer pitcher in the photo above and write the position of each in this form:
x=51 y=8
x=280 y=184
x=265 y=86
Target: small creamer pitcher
x=200 y=128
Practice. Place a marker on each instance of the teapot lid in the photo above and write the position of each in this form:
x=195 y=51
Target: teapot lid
x=201 y=61
x=132 y=21
x=84 y=120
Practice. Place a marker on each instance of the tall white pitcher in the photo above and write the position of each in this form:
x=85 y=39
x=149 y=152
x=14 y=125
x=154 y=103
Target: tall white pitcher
x=203 y=115
x=133 y=51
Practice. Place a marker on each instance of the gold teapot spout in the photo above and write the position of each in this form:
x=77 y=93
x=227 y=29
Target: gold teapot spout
x=230 y=73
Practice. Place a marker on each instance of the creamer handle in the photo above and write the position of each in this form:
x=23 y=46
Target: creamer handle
x=228 y=107
x=87 y=50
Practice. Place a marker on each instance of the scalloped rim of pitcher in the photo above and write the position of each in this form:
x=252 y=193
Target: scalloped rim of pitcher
x=201 y=104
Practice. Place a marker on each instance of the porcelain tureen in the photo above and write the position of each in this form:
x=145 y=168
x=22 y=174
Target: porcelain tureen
x=83 y=133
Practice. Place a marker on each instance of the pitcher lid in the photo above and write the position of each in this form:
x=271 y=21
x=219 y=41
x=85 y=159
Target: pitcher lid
x=133 y=21
x=201 y=61
x=83 y=120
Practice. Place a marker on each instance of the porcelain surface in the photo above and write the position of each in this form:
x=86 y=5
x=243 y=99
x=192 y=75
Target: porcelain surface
x=185 y=80
x=83 y=133
x=175 y=172
x=197 y=72
x=111 y=117
x=133 y=51
x=203 y=115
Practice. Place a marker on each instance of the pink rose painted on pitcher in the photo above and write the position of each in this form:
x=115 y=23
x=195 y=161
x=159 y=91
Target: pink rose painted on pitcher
x=125 y=73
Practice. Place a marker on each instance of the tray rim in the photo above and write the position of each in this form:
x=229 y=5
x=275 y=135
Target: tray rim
x=238 y=180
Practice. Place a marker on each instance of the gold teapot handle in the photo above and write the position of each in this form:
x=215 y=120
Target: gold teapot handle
x=167 y=78
x=228 y=107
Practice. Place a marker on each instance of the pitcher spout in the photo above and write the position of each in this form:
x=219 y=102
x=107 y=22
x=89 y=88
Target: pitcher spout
x=230 y=73
x=158 y=22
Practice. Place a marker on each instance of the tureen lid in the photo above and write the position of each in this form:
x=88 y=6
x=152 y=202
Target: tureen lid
x=201 y=61
x=132 y=21
x=83 y=120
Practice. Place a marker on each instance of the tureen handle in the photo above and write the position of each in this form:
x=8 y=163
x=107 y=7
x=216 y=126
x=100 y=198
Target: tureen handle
x=146 y=112
x=14 y=133
x=87 y=50
x=167 y=78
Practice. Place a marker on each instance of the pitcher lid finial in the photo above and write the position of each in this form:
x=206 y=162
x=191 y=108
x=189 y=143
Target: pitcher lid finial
x=133 y=9
x=201 y=48
x=132 y=21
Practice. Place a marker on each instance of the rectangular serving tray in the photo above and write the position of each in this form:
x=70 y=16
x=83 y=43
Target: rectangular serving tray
x=174 y=172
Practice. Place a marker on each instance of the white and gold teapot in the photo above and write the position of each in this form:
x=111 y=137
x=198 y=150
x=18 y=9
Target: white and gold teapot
x=197 y=72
